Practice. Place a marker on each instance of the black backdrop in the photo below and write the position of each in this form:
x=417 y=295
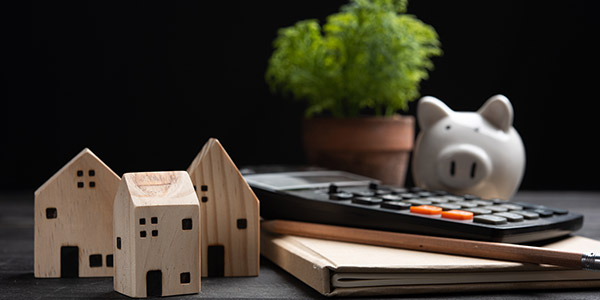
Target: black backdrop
x=145 y=84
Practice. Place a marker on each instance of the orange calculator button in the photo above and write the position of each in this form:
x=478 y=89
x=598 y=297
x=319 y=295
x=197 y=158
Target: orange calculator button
x=457 y=215
x=426 y=210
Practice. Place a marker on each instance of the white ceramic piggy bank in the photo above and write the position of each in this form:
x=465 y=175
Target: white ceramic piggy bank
x=477 y=153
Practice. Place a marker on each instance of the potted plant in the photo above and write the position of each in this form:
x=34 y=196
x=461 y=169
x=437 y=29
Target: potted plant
x=355 y=73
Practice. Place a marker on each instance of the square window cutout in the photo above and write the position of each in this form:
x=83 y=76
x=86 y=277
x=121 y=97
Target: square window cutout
x=242 y=223
x=118 y=243
x=143 y=234
x=79 y=173
x=51 y=213
x=185 y=278
x=186 y=224
x=109 y=260
x=92 y=173
x=80 y=184
x=96 y=260
x=154 y=232
x=142 y=221
x=92 y=184
x=154 y=220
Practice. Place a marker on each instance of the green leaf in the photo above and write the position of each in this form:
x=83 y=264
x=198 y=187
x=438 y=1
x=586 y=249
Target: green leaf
x=368 y=55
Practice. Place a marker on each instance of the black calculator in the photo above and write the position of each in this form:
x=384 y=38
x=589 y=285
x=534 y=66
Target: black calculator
x=346 y=199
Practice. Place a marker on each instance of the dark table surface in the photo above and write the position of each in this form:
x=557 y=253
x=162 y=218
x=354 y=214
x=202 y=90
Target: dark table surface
x=17 y=281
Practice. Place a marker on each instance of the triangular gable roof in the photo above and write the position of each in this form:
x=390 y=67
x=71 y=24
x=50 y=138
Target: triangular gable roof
x=202 y=154
x=214 y=145
x=85 y=152
x=160 y=188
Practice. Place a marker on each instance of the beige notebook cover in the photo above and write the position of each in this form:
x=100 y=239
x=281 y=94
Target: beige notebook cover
x=344 y=269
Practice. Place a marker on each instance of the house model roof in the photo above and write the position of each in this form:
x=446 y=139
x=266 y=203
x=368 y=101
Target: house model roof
x=214 y=162
x=160 y=188
x=85 y=154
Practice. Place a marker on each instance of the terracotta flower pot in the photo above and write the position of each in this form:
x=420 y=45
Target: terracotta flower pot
x=377 y=147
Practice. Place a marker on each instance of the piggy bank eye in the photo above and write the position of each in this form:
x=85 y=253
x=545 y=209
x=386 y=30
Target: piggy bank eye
x=448 y=127
x=476 y=129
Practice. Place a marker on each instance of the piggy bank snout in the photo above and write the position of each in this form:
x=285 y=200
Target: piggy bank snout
x=463 y=166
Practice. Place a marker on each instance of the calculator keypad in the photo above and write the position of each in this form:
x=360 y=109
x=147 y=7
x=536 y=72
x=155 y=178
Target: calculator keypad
x=464 y=208
x=365 y=203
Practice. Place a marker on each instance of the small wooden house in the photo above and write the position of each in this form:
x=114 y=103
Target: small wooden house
x=73 y=220
x=157 y=235
x=230 y=214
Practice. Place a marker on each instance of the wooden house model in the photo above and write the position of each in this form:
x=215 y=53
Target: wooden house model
x=157 y=235
x=229 y=213
x=73 y=220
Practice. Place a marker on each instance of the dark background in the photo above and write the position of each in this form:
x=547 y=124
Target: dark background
x=145 y=84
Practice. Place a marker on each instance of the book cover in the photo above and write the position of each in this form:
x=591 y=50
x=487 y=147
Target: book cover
x=346 y=269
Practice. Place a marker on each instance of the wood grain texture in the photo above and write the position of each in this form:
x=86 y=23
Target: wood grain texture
x=75 y=208
x=492 y=250
x=157 y=223
x=229 y=209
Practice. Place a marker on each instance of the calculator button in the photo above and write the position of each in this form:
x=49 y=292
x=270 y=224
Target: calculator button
x=465 y=204
x=544 y=213
x=396 y=190
x=479 y=211
x=341 y=196
x=470 y=197
x=510 y=216
x=409 y=196
x=364 y=194
x=512 y=206
x=425 y=194
x=448 y=206
x=483 y=202
x=559 y=211
x=436 y=200
x=367 y=200
x=489 y=219
x=457 y=215
x=440 y=193
x=391 y=198
x=426 y=210
x=528 y=215
x=416 y=202
x=496 y=208
x=453 y=198
x=529 y=206
x=498 y=201
x=396 y=205
x=333 y=188
x=381 y=192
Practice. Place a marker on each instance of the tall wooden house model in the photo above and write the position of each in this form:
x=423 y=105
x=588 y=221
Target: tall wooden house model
x=229 y=214
x=73 y=220
x=157 y=235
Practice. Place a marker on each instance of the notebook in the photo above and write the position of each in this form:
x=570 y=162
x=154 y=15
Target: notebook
x=346 y=269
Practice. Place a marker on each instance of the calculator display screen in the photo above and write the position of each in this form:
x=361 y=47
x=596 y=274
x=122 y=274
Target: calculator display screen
x=304 y=180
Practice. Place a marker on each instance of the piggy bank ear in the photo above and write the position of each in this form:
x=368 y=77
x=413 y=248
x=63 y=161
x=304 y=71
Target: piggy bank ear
x=498 y=111
x=431 y=110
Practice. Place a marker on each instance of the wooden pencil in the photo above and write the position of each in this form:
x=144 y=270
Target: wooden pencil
x=502 y=251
